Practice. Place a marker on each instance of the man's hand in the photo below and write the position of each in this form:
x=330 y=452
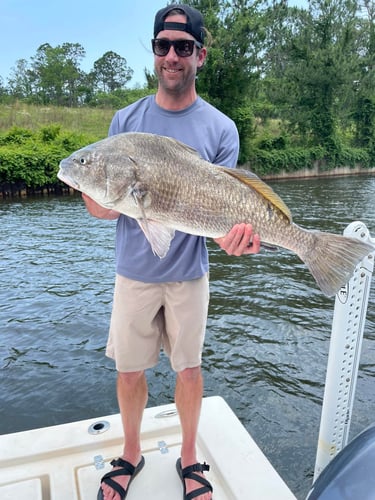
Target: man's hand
x=97 y=210
x=240 y=240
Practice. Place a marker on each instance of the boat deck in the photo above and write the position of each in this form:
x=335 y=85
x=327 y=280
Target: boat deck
x=66 y=462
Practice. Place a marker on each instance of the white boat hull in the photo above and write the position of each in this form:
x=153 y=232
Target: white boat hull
x=63 y=462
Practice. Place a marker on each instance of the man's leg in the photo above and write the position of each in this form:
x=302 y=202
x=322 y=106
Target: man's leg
x=132 y=394
x=188 y=398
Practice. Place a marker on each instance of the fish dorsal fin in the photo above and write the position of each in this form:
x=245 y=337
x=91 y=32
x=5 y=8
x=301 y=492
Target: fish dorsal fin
x=184 y=147
x=253 y=181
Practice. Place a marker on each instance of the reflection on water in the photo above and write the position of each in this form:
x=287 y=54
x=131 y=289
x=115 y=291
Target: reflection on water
x=267 y=337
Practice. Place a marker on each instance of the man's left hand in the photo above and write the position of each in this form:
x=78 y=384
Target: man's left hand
x=240 y=240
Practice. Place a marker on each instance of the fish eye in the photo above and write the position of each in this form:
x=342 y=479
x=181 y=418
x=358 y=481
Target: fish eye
x=82 y=160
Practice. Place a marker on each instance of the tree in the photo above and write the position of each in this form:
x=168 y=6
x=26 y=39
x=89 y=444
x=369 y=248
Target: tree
x=151 y=79
x=111 y=72
x=319 y=69
x=231 y=74
x=3 y=90
x=19 y=81
x=364 y=102
x=56 y=73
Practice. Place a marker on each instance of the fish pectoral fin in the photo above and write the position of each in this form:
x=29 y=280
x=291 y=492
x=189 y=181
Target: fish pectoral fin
x=158 y=235
x=141 y=196
x=253 y=181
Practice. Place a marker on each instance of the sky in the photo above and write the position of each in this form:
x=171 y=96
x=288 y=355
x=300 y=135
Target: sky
x=122 y=26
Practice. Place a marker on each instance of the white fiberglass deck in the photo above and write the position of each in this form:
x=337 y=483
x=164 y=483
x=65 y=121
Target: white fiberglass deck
x=63 y=462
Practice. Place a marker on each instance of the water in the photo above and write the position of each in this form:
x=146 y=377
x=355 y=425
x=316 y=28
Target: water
x=267 y=337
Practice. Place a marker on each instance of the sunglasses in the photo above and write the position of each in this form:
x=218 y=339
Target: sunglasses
x=183 y=48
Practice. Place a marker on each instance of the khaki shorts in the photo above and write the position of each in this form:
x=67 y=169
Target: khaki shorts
x=148 y=316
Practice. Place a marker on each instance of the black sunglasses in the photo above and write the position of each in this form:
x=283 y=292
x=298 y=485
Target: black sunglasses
x=183 y=48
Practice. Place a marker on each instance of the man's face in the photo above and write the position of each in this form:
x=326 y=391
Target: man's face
x=177 y=74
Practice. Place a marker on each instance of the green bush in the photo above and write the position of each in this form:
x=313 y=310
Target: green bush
x=268 y=161
x=49 y=133
x=31 y=159
x=273 y=161
x=15 y=135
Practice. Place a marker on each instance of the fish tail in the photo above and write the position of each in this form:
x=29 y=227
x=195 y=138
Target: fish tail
x=332 y=259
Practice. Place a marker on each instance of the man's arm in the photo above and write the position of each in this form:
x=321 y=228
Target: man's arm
x=97 y=210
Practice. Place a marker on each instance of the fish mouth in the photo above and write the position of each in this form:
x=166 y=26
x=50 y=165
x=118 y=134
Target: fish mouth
x=68 y=180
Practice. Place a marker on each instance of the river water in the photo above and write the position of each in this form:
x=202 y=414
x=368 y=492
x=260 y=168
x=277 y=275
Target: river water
x=267 y=337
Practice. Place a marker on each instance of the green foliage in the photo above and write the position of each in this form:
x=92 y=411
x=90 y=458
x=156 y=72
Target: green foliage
x=49 y=133
x=298 y=82
x=266 y=162
x=230 y=76
x=364 y=117
x=244 y=119
x=55 y=73
x=272 y=143
x=54 y=76
x=111 y=72
x=316 y=59
x=15 y=136
x=119 y=98
x=31 y=159
x=352 y=157
x=275 y=161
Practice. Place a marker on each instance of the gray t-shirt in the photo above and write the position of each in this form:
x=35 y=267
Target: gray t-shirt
x=215 y=137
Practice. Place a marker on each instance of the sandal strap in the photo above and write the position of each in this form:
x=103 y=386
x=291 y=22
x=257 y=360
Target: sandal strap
x=196 y=493
x=202 y=480
x=127 y=469
x=195 y=468
x=126 y=466
x=190 y=472
x=114 y=485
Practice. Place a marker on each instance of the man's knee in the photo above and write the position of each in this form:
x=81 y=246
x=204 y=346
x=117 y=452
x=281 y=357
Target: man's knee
x=190 y=374
x=130 y=378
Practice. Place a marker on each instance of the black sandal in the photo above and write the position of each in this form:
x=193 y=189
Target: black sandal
x=189 y=473
x=127 y=469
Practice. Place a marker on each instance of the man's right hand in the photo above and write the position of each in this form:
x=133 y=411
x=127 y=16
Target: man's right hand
x=97 y=210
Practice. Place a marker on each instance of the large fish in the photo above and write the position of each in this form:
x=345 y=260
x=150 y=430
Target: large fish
x=166 y=186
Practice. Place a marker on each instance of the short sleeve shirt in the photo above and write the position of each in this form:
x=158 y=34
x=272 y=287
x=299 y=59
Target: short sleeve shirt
x=215 y=137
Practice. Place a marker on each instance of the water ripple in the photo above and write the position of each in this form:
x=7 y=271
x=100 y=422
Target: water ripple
x=267 y=334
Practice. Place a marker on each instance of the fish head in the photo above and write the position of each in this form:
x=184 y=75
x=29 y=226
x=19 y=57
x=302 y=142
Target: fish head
x=100 y=171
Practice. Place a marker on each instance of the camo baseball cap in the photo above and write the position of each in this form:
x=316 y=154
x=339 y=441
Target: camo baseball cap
x=194 y=24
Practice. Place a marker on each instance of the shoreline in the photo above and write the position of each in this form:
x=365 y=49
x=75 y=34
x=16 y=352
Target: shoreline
x=316 y=171
x=14 y=191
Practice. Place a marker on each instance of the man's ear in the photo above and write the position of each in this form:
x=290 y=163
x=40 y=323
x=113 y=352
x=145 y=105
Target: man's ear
x=202 y=57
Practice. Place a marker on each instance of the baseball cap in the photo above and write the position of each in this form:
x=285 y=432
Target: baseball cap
x=194 y=24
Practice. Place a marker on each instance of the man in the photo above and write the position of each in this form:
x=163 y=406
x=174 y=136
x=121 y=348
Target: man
x=165 y=301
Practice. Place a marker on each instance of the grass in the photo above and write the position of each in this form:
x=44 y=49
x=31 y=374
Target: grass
x=90 y=121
